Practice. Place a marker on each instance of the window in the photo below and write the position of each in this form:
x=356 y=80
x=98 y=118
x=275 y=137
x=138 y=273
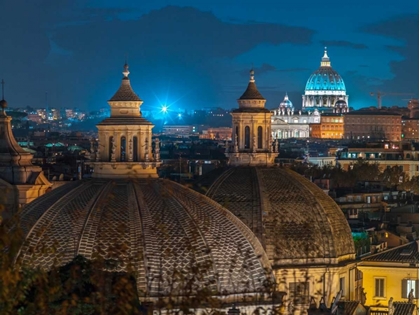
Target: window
x=123 y=156
x=343 y=285
x=260 y=137
x=299 y=290
x=135 y=149
x=407 y=286
x=247 y=137
x=379 y=287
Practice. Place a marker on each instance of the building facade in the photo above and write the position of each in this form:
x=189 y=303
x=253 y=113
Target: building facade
x=286 y=123
x=410 y=128
x=373 y=125
x=330 y=127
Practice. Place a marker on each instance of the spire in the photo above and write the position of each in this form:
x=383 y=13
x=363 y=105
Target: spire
x=125 y=92
x=325 y=61
x=251 y=92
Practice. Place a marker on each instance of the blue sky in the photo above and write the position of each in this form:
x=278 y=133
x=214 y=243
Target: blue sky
x=193 y=54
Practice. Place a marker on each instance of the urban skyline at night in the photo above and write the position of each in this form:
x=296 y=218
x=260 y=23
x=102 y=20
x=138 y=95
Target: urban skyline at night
x=189 y=56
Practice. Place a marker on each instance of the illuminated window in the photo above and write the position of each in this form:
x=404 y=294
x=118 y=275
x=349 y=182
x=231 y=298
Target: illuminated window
x=407 y=286
x=379 y=287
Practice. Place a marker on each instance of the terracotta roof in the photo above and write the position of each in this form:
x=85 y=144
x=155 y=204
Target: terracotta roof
x=404 y=308
x=407 y=253
x=125 y=92
x=347 y=307
x=252 y=93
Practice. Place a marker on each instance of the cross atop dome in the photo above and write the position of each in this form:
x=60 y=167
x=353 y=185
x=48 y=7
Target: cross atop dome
x=126 y=72
x=325 y=61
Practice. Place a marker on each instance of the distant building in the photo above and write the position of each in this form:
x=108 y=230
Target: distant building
x=413 y=106
x=410 y=129
x=220 y=133
x=330 y=127
x=325 y=89
x=180 y=130
x=373 y=125
x=286 y=123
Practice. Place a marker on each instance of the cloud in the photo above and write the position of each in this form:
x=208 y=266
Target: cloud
x=406 y=71
x=342 y=43
x=176 y=46
x=295 y=70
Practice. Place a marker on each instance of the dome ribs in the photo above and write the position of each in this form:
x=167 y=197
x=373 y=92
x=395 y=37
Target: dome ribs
x=167 y=234
x=300 y=223
x=233 y=256
x=59 y=226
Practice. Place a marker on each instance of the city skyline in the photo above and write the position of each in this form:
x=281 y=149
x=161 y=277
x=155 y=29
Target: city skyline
x=189 y=55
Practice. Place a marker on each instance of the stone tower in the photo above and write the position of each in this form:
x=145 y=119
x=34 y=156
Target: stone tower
x=125 y=146
x=251 y=130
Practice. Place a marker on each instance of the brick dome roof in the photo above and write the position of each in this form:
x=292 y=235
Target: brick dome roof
x=296 y=221
x=156 y=227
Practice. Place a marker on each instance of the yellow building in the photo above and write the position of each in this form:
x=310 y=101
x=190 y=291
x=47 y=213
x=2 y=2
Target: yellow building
x=330 y=127
x=393 y=273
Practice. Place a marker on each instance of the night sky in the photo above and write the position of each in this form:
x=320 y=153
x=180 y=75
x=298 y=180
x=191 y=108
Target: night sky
x=193 y=54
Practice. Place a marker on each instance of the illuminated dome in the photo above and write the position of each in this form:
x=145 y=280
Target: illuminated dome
x=286 y=103
x=150 y=225
x=324 y=87
x=325 y=79
x=293 y=218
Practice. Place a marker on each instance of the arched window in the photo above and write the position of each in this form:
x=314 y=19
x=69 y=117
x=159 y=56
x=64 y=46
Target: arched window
x=236 y=135
x=110 y=145
x=123 y=157
x=135 y=149
x=247 y=137
x=260 y=137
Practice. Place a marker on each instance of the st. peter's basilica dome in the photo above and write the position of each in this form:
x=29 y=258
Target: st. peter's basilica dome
x=325 y=79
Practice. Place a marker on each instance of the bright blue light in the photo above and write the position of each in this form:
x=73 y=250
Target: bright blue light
x=179 y=116
x=164 y=109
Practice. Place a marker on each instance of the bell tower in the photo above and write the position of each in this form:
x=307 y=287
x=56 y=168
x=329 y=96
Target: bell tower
x=251 y=130
x=124 y=147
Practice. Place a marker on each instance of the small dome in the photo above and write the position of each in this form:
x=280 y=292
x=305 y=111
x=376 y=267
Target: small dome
x=341 y=103
x=156 y=227
x=286 y=103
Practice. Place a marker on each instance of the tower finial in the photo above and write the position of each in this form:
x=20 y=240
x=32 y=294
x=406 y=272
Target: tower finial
x=126 y=72
x=251 y=75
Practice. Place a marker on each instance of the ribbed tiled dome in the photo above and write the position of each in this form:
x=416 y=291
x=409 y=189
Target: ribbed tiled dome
x=325 y=79
x=294 y=219
x=155 y=226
